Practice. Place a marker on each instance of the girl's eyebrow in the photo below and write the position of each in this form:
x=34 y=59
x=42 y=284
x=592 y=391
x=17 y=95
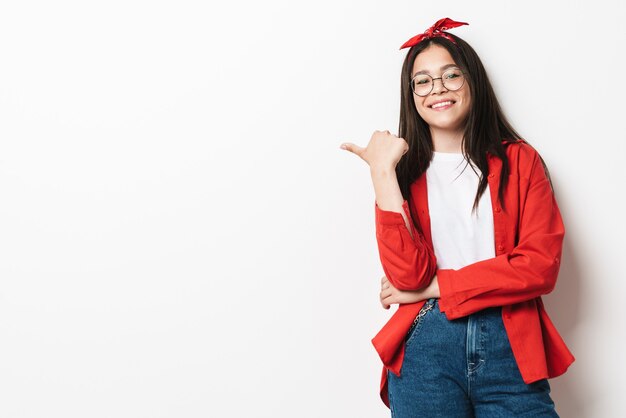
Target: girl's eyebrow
x=441 y=69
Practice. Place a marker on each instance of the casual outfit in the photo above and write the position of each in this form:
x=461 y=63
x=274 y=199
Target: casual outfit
x=460 y=237
x=488 y=336
x=464 y=368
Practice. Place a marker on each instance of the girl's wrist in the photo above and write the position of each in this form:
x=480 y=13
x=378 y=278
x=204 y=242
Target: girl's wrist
x=382 y=170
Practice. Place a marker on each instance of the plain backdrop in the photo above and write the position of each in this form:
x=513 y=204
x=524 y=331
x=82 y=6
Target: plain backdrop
x=181 y=235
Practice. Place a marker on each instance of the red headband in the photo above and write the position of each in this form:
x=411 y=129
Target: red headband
x=435 y=30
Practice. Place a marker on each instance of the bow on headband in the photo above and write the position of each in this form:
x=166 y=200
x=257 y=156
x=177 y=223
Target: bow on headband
x=435 y=30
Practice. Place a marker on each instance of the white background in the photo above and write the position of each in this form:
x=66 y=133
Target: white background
x=181 y=236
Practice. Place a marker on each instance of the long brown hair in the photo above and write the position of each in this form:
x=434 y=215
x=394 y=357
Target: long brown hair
x=485 y=129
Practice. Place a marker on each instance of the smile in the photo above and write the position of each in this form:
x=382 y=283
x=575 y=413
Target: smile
x=441 y=105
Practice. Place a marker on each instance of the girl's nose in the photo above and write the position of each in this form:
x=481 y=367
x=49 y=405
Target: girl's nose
x=438 y=85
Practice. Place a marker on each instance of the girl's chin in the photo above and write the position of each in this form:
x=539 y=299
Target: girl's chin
x=453 y=127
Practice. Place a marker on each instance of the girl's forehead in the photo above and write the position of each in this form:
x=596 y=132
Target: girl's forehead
x=432 y=60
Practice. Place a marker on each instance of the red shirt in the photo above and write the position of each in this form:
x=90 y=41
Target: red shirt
x=528 y=239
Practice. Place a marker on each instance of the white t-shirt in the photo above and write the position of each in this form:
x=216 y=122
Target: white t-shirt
x=460 y=237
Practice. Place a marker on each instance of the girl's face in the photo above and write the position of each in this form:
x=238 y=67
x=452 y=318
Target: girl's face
x=451 y=117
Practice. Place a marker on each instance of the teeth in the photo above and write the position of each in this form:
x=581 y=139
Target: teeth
x=435 y=106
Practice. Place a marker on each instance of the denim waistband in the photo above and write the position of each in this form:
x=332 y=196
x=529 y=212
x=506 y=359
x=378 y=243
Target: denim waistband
x=492 y=310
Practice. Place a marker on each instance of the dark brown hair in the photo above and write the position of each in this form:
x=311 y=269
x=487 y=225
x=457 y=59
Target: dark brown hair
x=485 y=128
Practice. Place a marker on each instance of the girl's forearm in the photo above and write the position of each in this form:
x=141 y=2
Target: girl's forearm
x=387 y=190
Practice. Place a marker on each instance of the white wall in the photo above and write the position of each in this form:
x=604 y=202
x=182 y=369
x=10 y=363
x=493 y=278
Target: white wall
x=181 y=236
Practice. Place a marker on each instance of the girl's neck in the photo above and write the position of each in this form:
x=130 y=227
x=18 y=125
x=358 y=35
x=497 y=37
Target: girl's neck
x=446 y=141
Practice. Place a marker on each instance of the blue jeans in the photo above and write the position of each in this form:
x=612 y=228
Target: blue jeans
x=463 y=368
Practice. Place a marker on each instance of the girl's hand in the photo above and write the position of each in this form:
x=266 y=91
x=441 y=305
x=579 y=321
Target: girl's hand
x=389 y=294
x=383 y=150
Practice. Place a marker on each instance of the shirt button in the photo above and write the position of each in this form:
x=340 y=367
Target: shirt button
x=490 y=176
x=556 y=260
x=500 y=247
x=498 y=210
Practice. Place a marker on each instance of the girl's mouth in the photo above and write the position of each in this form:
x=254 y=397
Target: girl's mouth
x=442 y=105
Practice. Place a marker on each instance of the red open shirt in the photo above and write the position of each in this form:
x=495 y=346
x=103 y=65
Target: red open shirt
x=528 y=239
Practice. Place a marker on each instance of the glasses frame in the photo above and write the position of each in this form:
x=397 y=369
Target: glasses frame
x=432 y=82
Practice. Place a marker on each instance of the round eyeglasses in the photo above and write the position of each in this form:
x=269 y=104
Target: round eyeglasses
x=423 y=84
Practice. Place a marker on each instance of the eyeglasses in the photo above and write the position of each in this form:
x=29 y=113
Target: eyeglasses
x=423 y=84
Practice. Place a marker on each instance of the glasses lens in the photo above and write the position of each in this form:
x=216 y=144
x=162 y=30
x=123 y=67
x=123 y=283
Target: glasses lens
x=453 y=79
x=422 y=84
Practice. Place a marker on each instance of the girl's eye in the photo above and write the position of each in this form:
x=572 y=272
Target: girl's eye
x=453 y=74
x=421 y=81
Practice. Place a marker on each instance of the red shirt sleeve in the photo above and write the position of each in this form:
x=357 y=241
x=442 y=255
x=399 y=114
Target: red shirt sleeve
x=409 y=263
x=529 y=270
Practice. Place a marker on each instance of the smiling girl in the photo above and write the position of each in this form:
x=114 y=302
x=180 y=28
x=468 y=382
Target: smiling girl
x=470 y=236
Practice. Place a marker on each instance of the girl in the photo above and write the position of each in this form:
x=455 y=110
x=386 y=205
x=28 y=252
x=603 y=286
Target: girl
x=470 y=236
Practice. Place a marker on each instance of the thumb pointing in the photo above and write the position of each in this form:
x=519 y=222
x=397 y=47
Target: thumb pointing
x=350 y=147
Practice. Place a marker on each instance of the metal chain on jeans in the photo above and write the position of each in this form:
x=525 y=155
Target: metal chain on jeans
x=427 y=307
